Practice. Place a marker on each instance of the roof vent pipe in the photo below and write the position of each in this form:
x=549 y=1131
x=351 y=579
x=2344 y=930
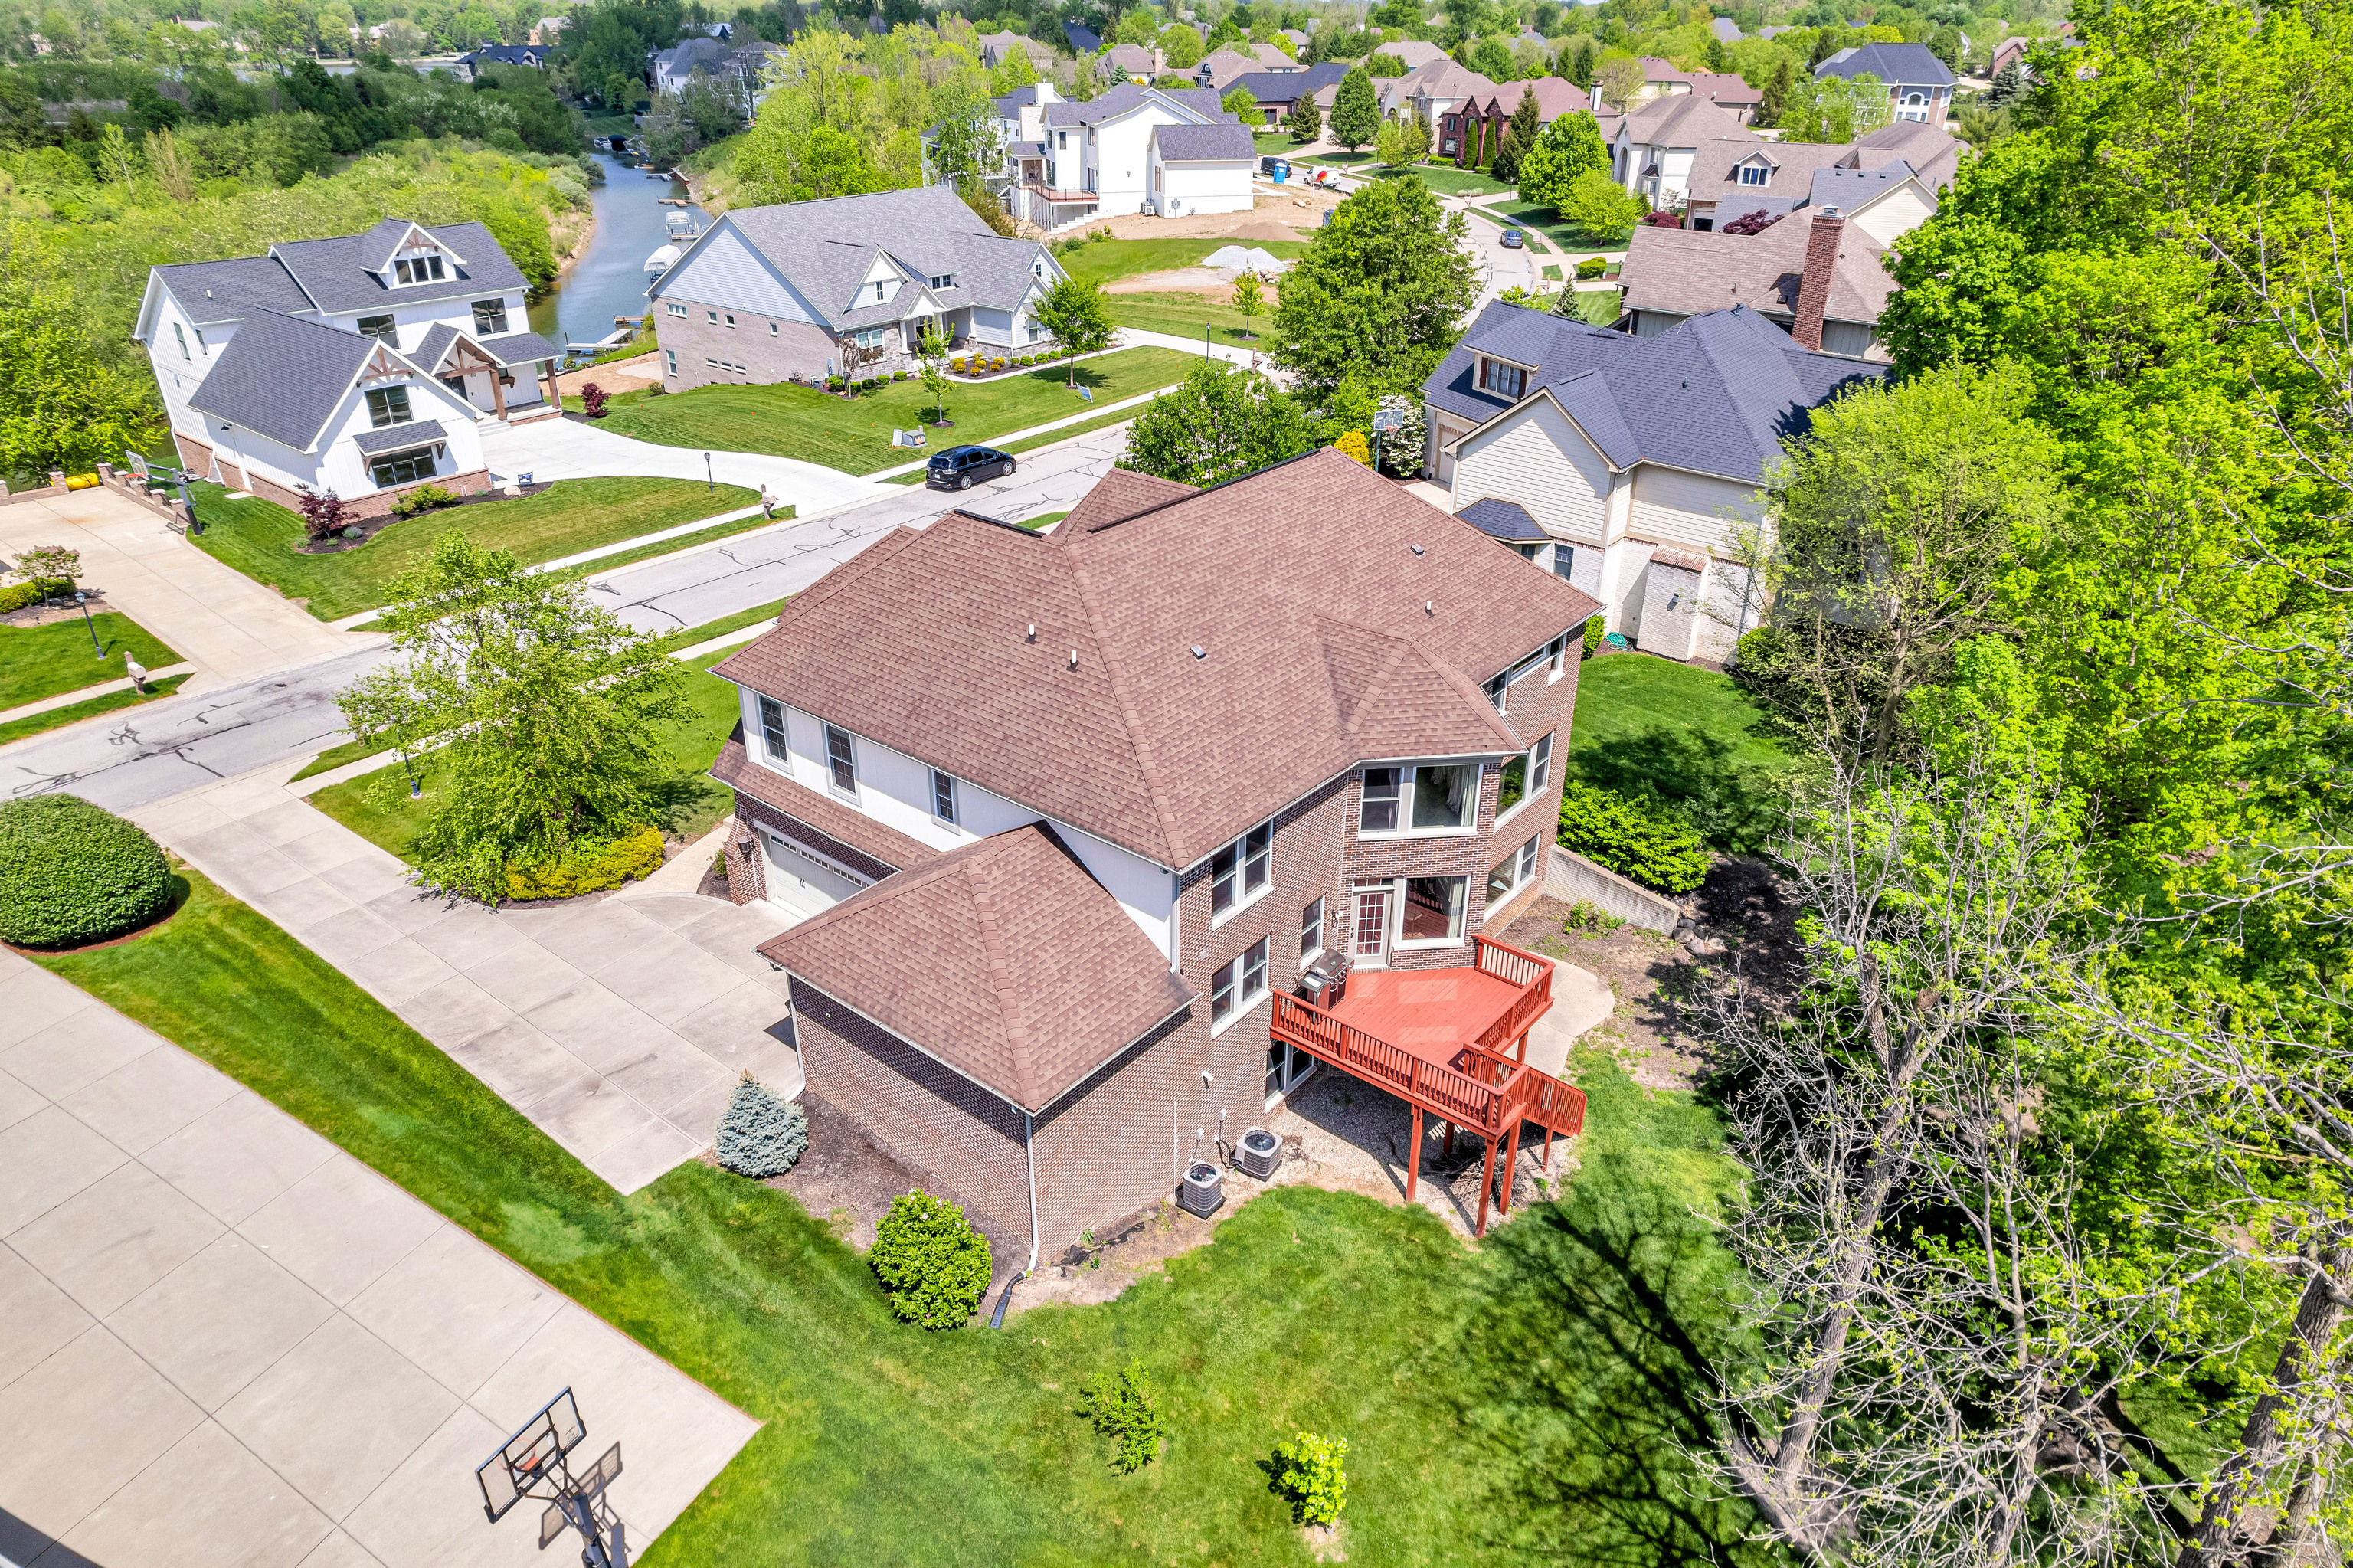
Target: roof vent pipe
x=1074 y=658
x=1033 y=632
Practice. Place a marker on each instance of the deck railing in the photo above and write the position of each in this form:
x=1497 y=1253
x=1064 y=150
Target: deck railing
x=1512 y=965
x=1459 y=1098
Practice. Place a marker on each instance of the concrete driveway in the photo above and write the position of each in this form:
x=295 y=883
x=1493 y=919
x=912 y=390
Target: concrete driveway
x=225 y=1341
x=568 y=449
x=618 y=1025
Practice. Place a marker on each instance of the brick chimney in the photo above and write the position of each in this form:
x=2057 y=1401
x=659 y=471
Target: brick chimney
x=1814 y=280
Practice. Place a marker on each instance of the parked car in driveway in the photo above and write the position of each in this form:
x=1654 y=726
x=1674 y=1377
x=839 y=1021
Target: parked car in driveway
x=959 y=468
x=1511 y=241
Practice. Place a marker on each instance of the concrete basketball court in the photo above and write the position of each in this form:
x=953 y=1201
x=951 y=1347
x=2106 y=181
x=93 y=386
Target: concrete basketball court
x=225 y=1341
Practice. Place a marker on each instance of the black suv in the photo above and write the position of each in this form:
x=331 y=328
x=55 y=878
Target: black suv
x=957 y=467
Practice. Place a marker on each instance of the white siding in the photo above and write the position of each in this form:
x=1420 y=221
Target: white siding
x=1538 y=459
x=1671 y=507
x=1651 y=324
x=1897 y=214
x=1852 y=339
x=725 y=271
x=1182 y=189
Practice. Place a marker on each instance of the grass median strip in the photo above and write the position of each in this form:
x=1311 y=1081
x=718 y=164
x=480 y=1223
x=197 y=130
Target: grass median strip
x=262 y=539
x=1045 y=438
x=74 y=712
x=1537 y=1389
x=37 y=661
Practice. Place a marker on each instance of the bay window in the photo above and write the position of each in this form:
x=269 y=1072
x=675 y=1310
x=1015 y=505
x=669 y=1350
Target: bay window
x=1429 y=797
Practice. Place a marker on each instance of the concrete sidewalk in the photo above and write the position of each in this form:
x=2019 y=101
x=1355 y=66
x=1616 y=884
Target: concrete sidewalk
x=222 y=622
x=618 y=1025
x=224 y=1341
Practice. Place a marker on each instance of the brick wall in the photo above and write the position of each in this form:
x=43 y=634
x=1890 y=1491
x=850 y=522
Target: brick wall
x=380 y=503
x=798 y=349
x=1115 y=1143
x=196 y=456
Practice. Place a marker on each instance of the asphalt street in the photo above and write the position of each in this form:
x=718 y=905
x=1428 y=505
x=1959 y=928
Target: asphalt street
x=154 y=752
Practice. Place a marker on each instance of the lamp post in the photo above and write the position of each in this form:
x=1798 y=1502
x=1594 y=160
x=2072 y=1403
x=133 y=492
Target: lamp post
x=82 y=599
x=708 y=485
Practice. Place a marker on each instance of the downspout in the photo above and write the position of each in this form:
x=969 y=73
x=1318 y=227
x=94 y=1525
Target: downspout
x=1029 y=1150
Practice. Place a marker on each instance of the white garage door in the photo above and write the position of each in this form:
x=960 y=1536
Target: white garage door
x=802 y=880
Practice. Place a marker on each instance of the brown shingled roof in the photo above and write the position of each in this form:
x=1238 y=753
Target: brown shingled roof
x=1688 y=271
x=923 y=643
x=842 y=832
x=1002 y=958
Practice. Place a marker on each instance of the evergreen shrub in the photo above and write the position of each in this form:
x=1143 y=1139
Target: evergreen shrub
x=759 y=1134
x=590 y=867
x=72 y=873
x=1612 y=830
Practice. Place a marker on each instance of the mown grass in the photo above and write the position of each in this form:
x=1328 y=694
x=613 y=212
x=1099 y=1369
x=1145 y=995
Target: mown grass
x=1572 y=241
x=1106 y=260
x=74 y=712
x=261 y=538
x=37 y=661
x=1686 y=737
x=854 y=434
x=1526 y=1400
x=1185 y=316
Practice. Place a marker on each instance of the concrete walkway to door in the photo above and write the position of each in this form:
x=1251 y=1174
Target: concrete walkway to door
x=223 y=1340
x=618 y=1025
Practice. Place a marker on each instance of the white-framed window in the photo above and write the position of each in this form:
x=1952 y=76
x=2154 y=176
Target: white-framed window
x=1547 y=657
x=401 y=468
x=1311 y=930
x=731 y=320
x=772 y=329
x=491 y=315
x=380 y=328
x=1503 y=380
x=419 y=269
x=773 y=735
x=388 y=406
x=1755 y=174
x=1524 y=777
x=1238 y=986
x=841 y=762
x=674 y=308
x=945 y=280
x=1242 y=871
x=669 y=360
x=1564 y=557
x=712 y=316
x=1426 y=798
x=183 y=340
x=1433 y=912
x=872 y=337
x=1514 y=871
x=879 y=287
x=943 y=796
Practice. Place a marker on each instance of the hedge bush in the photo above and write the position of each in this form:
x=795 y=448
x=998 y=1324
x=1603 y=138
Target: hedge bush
x=1596 y=629
x=1612 y=830
x=590 y=867
x=18 y=595
x=933 y=1266
x=1310 y=1472
x=760 y=1134
x=71 y=874
x=1592 y=267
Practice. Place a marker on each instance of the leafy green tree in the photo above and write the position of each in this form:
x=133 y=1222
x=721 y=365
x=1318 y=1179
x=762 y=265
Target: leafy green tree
x=931 y=353
x=1491 y=58
x=1079 y=315
x=545 y=711
x=1242 y=104
x=1581 y=64
x=1621 y=83
x=1306 y=119
x=1355 y=111
x=2009 y=85
x=1601 y=207
x=1519 y=138
x=1382 y=291
x=1568 y=147
x=1249 y=299
x=1774 y=99
x=60 y=405
x=1222 y=423
x=1182 y=46
x=1403 y=141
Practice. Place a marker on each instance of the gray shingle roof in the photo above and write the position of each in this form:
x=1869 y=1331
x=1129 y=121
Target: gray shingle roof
x=519 y=348
x=335 y=272
x=1203 y=143
x=1847 y=189
x=1271 y=86
x=400 y=437
x=826 y=248
x=283 y=378
x=1714 y=393
x=1501 y=519
x=1125 y=98
x=1910 y=65
x=434 y=347
x=231 y=290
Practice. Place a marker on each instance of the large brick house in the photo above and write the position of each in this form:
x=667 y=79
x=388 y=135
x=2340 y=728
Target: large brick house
x=1064 y=818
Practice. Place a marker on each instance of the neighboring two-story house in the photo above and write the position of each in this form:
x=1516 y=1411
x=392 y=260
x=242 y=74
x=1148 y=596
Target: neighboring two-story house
x=1476 y=126
x=1672 y=274
x=1223 y=67
x=1639 y=462
x=1886 y=184
x=1069 y=162
x=844 y=286
x=1279 y=92
x=1065 y=818
x=1919 y=85
x=365 y=365
x=1655 y=147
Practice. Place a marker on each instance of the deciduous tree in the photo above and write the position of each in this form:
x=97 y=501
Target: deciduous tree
x=1079 y=315
x=1355 y=111
x=1381 y=292
x=1222 y=423
x=1568 y=147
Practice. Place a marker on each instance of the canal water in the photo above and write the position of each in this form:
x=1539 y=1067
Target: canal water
x=610 y=278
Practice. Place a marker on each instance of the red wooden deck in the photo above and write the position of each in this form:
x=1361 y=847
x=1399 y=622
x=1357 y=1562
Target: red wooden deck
x=1444 y=1041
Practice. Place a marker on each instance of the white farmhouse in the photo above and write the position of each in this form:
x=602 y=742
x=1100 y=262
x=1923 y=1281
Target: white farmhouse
x=365 y=365
x=1069 y=162
x=1633 y=467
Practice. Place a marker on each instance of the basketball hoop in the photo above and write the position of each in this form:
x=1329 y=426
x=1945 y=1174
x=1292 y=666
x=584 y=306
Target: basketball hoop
x=535 y=1462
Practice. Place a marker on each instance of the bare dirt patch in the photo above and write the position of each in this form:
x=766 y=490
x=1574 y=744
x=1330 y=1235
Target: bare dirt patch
x=1207 y=281
x=1281 y=216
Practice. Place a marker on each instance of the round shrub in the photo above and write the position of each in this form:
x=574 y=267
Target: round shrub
x=71 y=874
x=1612 y=830
x=589 y=867
x=761 y=1135
x=1596 y=629
x=933 y=1266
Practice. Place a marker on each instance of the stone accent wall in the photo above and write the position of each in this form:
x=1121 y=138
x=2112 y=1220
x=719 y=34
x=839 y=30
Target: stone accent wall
x=799 y=350
x=379 y=505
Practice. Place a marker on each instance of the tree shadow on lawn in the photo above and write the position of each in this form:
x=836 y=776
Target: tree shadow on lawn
x=1736 y=806
x=1588 y=1379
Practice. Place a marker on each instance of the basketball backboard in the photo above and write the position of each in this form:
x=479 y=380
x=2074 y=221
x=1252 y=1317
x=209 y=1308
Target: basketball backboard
x=526 y=1459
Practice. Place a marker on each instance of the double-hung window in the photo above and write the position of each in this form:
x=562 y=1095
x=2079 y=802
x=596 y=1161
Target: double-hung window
x=184 y=339
x=388 y=406
x=1524 y=777
x=1311 y=930
x=1242 y=871
x=772 y=732
x=669 y=359
x=1238 y=985
x=1502 y=379
x=1430 y=797
x=1514 y=871
x=841 y=760
x=489 y=316
x=943 y=796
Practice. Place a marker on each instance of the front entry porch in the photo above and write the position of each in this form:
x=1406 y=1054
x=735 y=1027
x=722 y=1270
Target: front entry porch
x=1450 y=1043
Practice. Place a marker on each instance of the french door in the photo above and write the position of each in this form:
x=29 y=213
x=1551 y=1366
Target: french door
x=1368 y=944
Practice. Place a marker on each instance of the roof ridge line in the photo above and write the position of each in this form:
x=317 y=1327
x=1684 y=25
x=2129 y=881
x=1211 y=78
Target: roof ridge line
x=1394 y=657
x=1131 y=721
x=1000 y=976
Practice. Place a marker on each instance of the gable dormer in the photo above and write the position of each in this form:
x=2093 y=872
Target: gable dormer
x=1754 y=171
x=881 y=285
x=403 y=254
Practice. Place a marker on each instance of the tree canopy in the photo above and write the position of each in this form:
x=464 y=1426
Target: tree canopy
x=1381 y=292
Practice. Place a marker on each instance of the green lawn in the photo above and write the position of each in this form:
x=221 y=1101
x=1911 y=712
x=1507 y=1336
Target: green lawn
x=1106 y=260
x=386 y=816
x=854 y=434
x=74 y=712
x=38 y=662
x=260 y=538
x=1687 y=738
x=1184 y=315
x=1523 y=1400
x=1031 y=443
x=1570 y=240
